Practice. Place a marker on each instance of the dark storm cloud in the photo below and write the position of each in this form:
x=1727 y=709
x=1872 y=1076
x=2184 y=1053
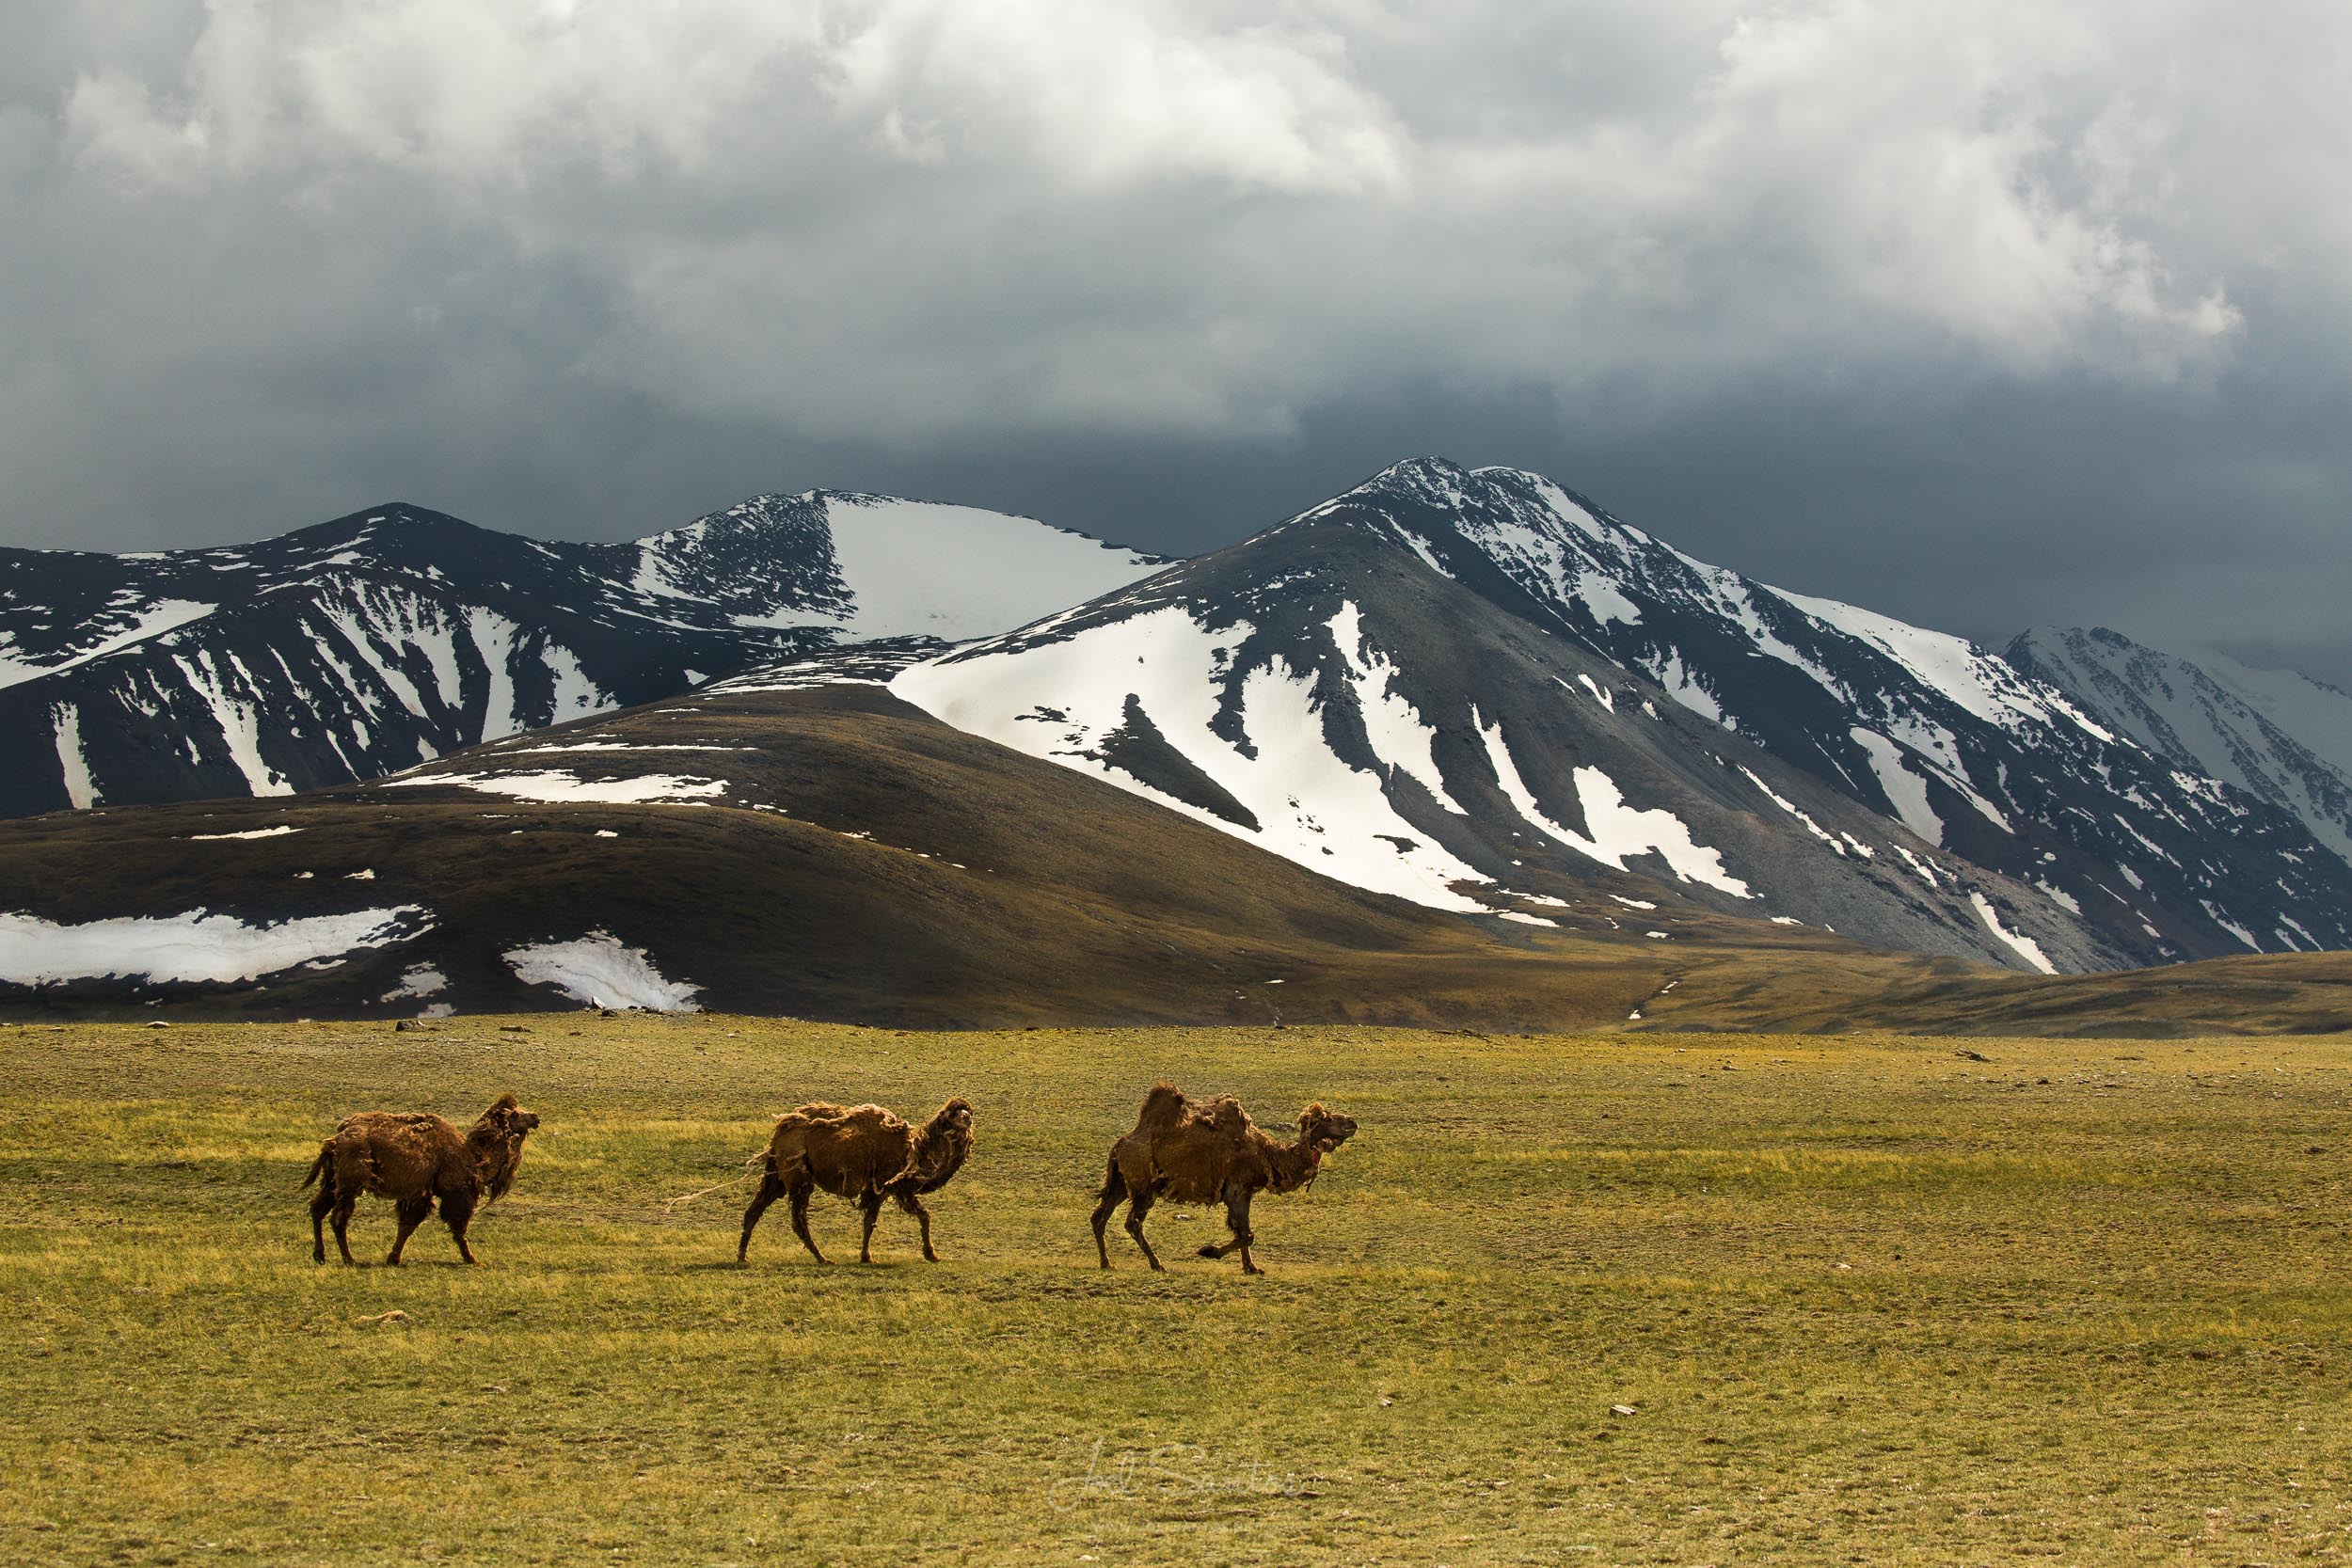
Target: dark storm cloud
x=1982 y=316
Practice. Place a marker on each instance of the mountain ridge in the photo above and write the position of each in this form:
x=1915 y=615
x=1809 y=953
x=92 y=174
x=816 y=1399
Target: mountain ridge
x=2213 y=713
x=353 y=648
x=1363 y=716
x=1472 y=688
x=2003 y=774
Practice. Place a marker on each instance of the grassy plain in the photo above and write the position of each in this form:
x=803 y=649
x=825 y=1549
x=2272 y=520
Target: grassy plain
x=1869 y=1300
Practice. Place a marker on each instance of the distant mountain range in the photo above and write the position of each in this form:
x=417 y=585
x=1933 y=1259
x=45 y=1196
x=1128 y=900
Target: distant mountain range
x=2271 y=733
x=1471 y=692
x=385 y=639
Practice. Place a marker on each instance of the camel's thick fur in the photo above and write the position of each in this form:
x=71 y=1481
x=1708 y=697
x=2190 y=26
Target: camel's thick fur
x=861 y=1152
x=415 y=1158
x=1191 y=1152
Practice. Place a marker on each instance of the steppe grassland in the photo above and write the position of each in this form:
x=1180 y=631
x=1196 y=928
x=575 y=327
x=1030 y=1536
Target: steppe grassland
x=1869 y=1299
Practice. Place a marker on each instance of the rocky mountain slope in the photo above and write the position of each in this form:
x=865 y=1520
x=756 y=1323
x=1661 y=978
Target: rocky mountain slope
x=2271 y=733
x=1420 y=681
x=1322 y=692
x=368 y=645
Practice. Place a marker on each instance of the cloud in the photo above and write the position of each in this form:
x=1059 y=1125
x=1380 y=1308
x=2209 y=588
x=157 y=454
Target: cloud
x=259 y=257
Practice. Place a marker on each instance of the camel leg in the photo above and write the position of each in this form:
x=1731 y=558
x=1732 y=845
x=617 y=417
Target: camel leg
x=1135 y=1210
x=1237 y=1221
x=319 y=1206
x=770 y=1190
x=800 y=1194
x=344 y=1203
x=1114 y=1188
x=913 y=1205
x=869 y=1206
x=458 y=1212
x=412 y=1214
x=1237 y=1216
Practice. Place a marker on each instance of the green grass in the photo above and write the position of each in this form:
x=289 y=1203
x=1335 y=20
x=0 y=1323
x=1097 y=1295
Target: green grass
x=1870 y=1301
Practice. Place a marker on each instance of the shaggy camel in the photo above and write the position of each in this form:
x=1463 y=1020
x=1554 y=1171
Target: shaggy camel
x=1188 y=1152
x=413 y=1158
x=863 y=1152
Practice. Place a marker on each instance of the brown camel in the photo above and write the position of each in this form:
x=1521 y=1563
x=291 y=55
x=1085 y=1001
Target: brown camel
x=863 y=1152
x=414 y=1158
x=1189 y=1152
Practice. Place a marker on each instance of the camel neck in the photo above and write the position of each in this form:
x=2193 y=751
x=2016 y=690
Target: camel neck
x=1293 y=1163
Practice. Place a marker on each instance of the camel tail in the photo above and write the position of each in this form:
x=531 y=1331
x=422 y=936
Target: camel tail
x=318 y=1166
x=1114 y=1184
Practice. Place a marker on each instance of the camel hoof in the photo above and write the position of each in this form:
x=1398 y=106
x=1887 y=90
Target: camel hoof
x=1209 y=1250
x=1251 y=1268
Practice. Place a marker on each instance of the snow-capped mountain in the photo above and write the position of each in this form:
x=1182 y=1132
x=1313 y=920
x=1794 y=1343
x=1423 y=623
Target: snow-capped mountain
x=1320 y=691
x=1415 y=683
x=366 y=645
x=2272 y=733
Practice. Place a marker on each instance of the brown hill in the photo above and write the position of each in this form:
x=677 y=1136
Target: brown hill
x=831 y=852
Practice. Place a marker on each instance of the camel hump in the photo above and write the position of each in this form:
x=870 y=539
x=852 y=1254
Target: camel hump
x=1165 y=1106
x=1227 y=1116
x=864 y=1119
x=824 y=1113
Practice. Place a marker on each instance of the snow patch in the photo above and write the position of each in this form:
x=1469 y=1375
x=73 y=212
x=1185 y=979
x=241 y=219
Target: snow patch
x=2231 y=925
x=150 y=621
x=72 y=762
x=2024 y=946
x=598 y=970
x=1058 y=700
x=278 y=831
x=556 y=786
x=1618 y=831
x=423 y=980
x=197 y=947
x=1399 y=735
x=2060 y=896
x=1790 y=807
x=1905 y=790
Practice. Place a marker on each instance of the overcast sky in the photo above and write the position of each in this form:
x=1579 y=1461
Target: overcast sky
x=1982 y=314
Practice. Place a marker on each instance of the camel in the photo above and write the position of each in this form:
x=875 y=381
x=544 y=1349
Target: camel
x=1189 y=1152
x=414 y=1158
x=863 y=1152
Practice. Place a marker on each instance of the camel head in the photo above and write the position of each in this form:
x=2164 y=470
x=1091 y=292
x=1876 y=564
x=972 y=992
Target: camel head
x=497 y=1143
x=941 y=1146
x=1324 y=1131
x=952 y=1127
